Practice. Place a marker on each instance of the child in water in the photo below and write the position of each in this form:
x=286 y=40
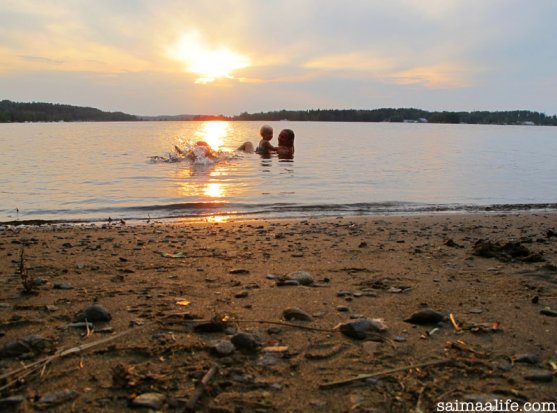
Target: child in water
x=265 y=147
x=201 y=149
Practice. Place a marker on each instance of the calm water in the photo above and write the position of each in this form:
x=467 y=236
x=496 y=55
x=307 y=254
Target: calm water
x=92 y=171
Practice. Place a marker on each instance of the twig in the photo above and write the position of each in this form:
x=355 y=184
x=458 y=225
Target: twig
x=282 y=323
x=198 y=392
x=42 y=363
x=330 y=385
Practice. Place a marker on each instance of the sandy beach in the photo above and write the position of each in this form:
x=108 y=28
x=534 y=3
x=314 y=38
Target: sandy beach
x=279 y=316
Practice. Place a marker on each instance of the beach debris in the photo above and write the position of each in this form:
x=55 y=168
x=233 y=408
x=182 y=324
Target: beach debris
x=426 y=316
x=95 y=312
x=183 y=303
x=149 y=400
x=26 y=280
x=26 y=346
x=303 y=277
x=198 y=392
x=506 y=252
x=362 y=327
x=246 y=341
x=294 y=313
x=56 y=398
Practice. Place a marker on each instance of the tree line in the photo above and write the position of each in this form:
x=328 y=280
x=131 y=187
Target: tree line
x=515 y=117
x=51 y=112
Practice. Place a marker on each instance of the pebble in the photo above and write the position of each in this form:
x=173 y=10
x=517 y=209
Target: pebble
x=95 y=312
x=63 y=286
x=540 y=376
x=25 y=345
x=528 y=358
x=239 y=271
x=245 y=341
x=56 y=398
x=149 y=400
x=342 y=309
x=10 y=403
x=426 y=316
x=294 y=313
x=224 y=348
x=548 y=312
x=360 y=328
x=303 y=277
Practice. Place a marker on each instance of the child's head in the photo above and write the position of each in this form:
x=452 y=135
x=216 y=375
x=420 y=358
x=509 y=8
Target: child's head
x=286 y=138
x=266 y=132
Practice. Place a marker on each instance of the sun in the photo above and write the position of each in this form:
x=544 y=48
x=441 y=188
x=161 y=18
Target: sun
x=209 y=64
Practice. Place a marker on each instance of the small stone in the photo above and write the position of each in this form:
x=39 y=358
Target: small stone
x=540 y=376
x=95 y=312
x=56 y=398
x=548 y=312
x=296 y=314
x=241 y=294
x=239 y=271
x=10 y=404
x=63 y=286
x=224 y=348
x=303 y=277
x=360 y=328
x=528 y=358
x=38 y=281
x=342 y=309
x=245 y=341
x=426 y=316
x=344 y=293
x=475 y=311
x=27 y=345
x=149 y=400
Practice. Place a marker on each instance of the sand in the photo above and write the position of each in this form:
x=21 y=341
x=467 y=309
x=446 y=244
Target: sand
x=179 y=294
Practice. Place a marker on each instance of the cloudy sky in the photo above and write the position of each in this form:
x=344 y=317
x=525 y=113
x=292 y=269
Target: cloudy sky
x=231 y=56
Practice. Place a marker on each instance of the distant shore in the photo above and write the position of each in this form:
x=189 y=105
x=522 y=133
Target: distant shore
x=261 y=311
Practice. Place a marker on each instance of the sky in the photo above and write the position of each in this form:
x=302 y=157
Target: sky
x=226 y=57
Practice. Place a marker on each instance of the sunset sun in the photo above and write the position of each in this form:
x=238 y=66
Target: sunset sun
x=208 y=63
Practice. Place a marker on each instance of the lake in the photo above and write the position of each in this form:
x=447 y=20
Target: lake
x=93 y=171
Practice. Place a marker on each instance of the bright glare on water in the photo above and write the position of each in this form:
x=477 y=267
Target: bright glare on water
x=92 y=171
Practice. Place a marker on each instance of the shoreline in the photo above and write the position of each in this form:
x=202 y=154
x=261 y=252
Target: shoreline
x=169 y=286
x=320 y=213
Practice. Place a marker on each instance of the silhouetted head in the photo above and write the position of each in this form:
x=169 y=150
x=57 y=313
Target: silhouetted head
x=266 y=132
x=286 y=138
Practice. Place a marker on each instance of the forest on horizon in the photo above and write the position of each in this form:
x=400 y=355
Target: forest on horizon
x=51 y=112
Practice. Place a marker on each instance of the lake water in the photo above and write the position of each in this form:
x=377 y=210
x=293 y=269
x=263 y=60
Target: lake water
x=92 y=171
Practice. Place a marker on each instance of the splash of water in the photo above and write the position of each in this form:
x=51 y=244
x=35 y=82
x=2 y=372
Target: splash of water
x=194 y=153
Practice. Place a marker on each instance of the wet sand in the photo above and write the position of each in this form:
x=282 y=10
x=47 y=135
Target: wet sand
x=179 y=294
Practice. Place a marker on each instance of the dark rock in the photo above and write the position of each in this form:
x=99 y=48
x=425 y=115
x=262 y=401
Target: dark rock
x=213 y=326
x=540 y=376
x=29 y=345
x=426 y=316
x=362 y=327
x=56 y=398
x=548 y=312
x=505 y=252
x=296 y=314
x=10 y=404
x=95 y=312
x=528 y=358
x=245 y=341
x=63 y=286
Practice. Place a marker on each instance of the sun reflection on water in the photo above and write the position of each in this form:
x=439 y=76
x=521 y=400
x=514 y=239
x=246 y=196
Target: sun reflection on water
x=213 y=132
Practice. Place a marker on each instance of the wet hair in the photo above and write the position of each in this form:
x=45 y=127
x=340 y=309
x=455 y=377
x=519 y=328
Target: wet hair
x=265 y=130
x=286 y=138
